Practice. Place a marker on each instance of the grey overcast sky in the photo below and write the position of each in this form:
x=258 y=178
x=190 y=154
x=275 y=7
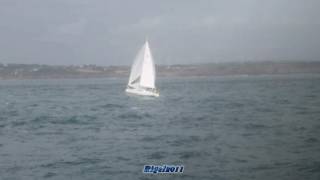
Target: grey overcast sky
x=110 y=32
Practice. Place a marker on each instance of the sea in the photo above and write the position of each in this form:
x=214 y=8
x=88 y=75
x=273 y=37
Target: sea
x=228 y=127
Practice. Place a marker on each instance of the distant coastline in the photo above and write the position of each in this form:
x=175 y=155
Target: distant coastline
x=37 y=71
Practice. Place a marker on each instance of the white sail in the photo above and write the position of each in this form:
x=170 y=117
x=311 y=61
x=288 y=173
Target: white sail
x=136 y=69
x=148 y=70
x=142 y=75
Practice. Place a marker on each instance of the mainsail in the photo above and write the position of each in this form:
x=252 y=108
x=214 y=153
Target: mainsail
x=143 y=69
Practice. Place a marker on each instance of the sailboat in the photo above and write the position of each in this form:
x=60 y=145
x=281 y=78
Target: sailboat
x=143 y=74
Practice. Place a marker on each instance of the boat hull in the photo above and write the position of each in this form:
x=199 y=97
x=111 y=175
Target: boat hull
x=142 y=92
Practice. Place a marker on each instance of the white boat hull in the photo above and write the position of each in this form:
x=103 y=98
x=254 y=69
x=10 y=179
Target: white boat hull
x=142 y=92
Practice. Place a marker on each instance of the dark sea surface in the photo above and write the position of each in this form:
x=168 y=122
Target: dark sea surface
x=236 y=127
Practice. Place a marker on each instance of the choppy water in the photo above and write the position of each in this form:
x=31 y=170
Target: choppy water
x=263 y=127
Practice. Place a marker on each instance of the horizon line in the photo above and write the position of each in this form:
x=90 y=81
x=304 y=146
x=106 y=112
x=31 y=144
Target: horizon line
x=191 y=63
